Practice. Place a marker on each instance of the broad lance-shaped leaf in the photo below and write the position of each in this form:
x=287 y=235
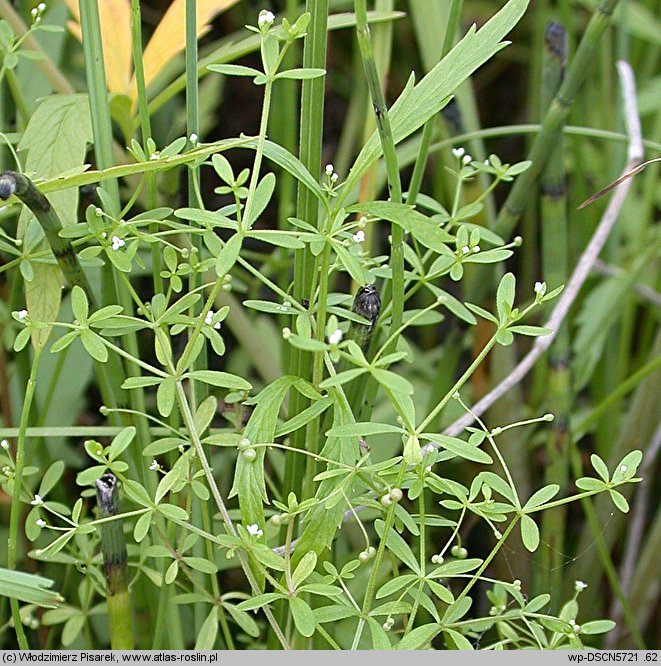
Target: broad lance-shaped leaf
x=420 y=102
x=322 y=522
x=30 y=588
x=249 y=482
x=55 y=139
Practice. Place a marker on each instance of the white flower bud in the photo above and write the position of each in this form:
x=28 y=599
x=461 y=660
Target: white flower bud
x=265 y=18
x=335 y=337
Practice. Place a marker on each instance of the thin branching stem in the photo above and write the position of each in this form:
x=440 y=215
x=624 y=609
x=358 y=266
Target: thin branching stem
x=582 y=269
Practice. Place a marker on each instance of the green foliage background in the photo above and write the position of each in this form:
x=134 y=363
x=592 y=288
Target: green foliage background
x=201 y=364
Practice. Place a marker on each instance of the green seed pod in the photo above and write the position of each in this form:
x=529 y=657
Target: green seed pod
x=249 y=454
x=396 y=494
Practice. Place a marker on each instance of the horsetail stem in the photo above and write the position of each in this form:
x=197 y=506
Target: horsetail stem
x=115 y=565
x=555 y=118
x=555 y=259
x=390 y=159
x=19 y=185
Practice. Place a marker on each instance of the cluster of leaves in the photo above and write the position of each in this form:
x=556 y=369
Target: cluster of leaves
x=211 y=251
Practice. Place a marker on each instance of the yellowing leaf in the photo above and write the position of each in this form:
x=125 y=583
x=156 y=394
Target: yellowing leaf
x=169 y=38
x=115 y=17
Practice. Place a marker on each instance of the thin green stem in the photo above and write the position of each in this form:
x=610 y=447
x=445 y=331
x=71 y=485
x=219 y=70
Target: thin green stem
x=390 y=157
x=15 y=511
x=370 y=590
x=318 y=367
x=458 y=384
x=54 y=76
x=476 y=577
x=555 y=260
x=145 y=128
x=451 y=27
x=189 y=422
x=98 y=91
x=257 y=163
x=307 y=208
x=103 y=150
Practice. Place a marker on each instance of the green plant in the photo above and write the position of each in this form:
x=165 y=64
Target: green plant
x=239 y=471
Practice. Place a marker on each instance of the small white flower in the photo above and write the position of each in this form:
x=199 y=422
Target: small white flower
x=37 y=501
x=579 y=585
x=476 y=249
x=4 y=444
x=154 y=156
x=193 y=138
x=335 y=337
x=458 y=152
x=154 y=466
x=266 y=18
x=209 y=317
x=540 y=288
x=623 y=468
x=329 y=169
x=430 y=448
x=359 y=236
x=254 y=530
x=104 y=234
x=41 y=522
x=286 y=332
x=467 y=159
x=334 y=178
x=428 y=468
x=465 y=249
x=41 y=6
x=34 y=12
x=22 y=314
x=217 y=325
x=117 y=242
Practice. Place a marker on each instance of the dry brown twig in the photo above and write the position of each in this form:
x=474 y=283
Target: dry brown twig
x=585 y=263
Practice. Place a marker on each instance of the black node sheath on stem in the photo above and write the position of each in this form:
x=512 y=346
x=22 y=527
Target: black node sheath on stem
x=19 y=185
x=367 y=304
x=115 y=565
